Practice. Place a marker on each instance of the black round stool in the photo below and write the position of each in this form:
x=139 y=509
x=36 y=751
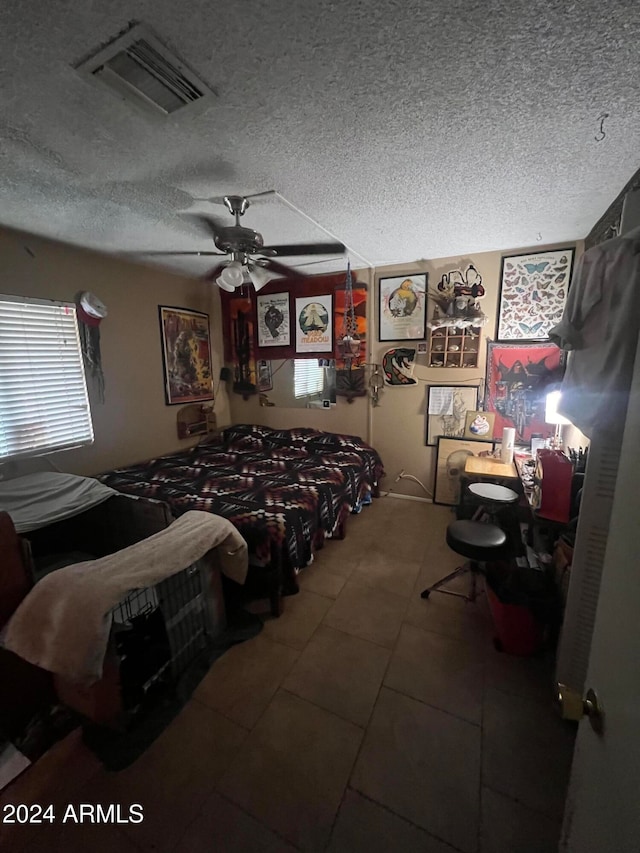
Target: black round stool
x=479 y=542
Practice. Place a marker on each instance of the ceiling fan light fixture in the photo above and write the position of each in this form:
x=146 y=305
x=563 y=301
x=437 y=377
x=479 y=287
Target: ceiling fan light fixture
x=259 y=275
x=223 y=286
x=231 y=276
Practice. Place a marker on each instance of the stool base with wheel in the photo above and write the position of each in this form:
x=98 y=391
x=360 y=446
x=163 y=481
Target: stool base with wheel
x=479 y=542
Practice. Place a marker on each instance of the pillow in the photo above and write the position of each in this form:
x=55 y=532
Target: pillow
x=246 y=437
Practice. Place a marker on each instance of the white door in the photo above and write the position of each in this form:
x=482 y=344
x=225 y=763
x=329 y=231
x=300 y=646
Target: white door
x=602 y=813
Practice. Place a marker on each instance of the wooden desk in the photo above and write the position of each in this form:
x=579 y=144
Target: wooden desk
x=487 y=466
x=485 y=469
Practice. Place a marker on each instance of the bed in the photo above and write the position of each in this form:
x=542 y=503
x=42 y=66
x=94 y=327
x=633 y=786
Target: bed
x=285 y=491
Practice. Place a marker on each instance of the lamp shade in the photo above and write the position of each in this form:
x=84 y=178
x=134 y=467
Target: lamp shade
x=224 y=286
x=259 y=275
x=231 y=276
x=551 y=413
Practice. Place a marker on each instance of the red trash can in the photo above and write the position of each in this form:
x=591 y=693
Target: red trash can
x=518 y=632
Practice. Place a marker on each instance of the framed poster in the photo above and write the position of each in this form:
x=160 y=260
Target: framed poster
x=402 y=308
x=274 y=320
x=314 y=326
x=479 y=425
x=451 y=458
x=533 y=291
x=186 y=355
x=519 y=376
x=447 y=406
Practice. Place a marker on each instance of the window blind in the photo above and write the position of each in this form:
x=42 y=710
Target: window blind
x=308 y=377
x=44 y=404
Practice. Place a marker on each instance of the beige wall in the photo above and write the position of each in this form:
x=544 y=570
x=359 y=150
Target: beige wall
x=133 y=423
x=396 y=427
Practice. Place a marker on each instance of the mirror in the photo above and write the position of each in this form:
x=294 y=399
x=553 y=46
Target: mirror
x=298 y=383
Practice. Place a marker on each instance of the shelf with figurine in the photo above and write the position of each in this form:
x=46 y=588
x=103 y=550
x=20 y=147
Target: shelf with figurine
x=450 y=346
x=457 y=319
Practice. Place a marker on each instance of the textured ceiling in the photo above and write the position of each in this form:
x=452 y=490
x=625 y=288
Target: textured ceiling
x=413 y=129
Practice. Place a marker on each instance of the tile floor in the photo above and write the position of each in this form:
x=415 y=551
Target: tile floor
x=364 y=719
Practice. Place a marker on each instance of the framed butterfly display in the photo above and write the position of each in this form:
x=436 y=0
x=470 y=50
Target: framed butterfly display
x=533 y=291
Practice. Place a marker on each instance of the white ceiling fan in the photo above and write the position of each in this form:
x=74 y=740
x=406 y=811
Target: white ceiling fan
x=246 y=251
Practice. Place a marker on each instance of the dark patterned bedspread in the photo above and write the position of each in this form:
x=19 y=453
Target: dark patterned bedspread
x=284 y=490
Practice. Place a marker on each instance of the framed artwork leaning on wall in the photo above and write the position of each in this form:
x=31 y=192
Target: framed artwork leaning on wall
x=479 y=425
x=451 y=458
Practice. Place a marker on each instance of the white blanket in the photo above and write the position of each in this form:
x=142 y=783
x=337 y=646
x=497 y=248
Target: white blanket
x=39 y=499
x=63 y=623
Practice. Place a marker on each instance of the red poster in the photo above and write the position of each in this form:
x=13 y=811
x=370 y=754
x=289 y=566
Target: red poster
x=519 y=377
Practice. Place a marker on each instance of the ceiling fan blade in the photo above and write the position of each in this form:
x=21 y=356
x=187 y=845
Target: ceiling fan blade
x=288 y=249
x=163 y=252
x=281 y=269
x=206 y=224
x=311 y=263
x=214 y=199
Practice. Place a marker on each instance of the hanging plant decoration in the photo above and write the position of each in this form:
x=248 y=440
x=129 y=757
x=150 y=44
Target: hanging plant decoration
x=349 y=341
x=350 y=378
x=90 y=311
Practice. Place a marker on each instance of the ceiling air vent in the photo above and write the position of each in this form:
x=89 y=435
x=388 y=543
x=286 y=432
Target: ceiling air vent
x=140 y=69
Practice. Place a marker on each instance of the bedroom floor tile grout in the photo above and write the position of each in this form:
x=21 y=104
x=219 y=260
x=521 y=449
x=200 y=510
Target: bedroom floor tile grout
x=402 y=818
x=347 y=634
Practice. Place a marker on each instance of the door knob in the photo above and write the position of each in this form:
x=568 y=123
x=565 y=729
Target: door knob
x=573 y=706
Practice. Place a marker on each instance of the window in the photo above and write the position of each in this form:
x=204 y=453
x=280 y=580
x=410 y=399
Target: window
x=308 y=377
x=44 y=404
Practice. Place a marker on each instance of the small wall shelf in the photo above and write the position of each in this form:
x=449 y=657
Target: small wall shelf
x=450 y=346
x=195 y=420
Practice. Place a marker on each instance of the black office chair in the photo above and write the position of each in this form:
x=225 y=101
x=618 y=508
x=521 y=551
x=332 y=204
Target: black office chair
x=479 y=542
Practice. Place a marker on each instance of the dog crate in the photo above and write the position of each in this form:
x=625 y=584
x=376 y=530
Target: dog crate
x=157 y=632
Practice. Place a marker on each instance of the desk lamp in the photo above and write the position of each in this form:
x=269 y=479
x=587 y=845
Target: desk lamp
x=552 y=416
